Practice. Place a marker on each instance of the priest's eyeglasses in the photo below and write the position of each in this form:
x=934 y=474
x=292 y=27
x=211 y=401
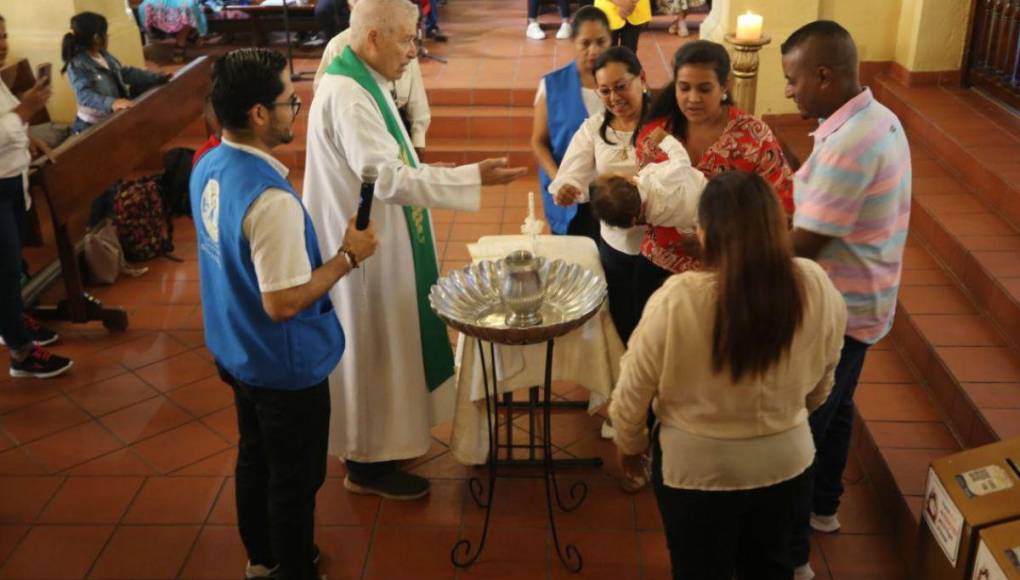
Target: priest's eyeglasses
x=295 y=104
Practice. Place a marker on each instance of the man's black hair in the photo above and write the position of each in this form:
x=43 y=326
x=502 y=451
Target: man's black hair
x=837 y=46
x=242 y=79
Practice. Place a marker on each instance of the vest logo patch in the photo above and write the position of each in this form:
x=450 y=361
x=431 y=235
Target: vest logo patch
x=211 y=210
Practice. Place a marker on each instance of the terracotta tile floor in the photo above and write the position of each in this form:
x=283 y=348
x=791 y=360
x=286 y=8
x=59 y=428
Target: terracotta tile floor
x=123 y=467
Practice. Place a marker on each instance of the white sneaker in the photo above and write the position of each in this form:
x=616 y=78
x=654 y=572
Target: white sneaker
x=534 y=31
x=564 y=32
x=260 y=572
x=825 y=524
x=803 y=572
x=608 y=432
x=682 y=30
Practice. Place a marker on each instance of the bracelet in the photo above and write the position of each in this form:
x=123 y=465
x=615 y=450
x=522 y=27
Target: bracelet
x=353 y=261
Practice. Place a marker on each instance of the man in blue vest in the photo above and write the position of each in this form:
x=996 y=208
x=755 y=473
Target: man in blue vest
x=268 y=319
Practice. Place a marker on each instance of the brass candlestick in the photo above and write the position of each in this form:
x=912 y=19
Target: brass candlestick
x=745 y=70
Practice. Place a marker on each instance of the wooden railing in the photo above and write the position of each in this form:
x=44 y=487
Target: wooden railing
x=993 y=61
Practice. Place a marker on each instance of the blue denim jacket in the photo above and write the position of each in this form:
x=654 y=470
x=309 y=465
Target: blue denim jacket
x=95 y=88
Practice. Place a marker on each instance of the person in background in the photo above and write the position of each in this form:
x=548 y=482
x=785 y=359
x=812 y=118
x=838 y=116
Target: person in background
x=853 y=209
x=565 y=98
x=21 y=333
x=177 y=18
x=732 y=358
x=334 y=17
x=268 y=320
x=432 y=31
x=102 y=86
x=534 y=30
x=679 y=8
x=627 y=18
x=408 y=91
x=212 y=123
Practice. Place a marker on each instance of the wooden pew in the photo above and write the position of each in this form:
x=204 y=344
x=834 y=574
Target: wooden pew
x=264 y=19
x=86 y=165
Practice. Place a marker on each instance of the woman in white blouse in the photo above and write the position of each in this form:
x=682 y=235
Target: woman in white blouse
x=733 y=358
x=605 y=144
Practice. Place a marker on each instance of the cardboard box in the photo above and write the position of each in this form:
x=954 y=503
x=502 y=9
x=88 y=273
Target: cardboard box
x=966 y=493
x=998 y=553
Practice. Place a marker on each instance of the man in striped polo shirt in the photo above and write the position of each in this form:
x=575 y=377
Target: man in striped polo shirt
x=852 y=201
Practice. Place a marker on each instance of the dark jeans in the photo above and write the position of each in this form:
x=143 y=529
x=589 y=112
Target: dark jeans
x=647 y=279
x=628 y=36
x=585 y=223
x=619 y=269
x=831 y=426
x=281 y=464
x=563 y=5
x=714 y=535
x=334 y=17
x=12 y=231
x=432 y=19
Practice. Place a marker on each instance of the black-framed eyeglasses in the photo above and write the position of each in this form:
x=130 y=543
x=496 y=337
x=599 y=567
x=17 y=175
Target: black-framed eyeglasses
x=294 y=102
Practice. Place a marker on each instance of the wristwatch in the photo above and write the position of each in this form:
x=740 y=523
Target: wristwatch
x=353 y=261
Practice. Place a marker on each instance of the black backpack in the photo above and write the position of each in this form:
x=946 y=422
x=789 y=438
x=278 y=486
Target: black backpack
x=175 y=179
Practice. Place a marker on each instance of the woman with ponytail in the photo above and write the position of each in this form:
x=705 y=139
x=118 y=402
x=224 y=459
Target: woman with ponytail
x=696 y=109
x=101 y=84
x=732 y=358
x=604 y=144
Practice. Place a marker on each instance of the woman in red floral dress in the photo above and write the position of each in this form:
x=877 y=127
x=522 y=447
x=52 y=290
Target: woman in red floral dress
x=720 y=137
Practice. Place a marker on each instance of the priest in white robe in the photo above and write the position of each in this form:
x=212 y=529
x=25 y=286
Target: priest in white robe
x=396 y=378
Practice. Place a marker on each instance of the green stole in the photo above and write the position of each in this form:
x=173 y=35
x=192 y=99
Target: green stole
x=435 y=343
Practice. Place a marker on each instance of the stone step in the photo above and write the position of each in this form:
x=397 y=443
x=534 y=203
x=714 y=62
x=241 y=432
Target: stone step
x=469 y=122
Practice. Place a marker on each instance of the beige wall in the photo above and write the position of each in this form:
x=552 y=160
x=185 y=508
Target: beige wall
x=936 y=34
x=36 y=28
x=921 y=35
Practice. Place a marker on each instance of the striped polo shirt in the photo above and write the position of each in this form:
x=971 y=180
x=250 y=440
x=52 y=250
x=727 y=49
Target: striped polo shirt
x=855 y=188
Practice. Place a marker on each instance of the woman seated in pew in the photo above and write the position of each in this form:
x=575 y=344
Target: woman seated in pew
x=101 y=84
x=696 y=109
x=178 y=18
x=732 y=358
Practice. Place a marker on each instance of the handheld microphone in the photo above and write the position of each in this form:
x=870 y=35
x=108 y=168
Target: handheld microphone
x=368 y=178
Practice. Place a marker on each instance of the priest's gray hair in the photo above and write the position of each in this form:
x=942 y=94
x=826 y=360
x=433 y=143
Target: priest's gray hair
x=382 y=15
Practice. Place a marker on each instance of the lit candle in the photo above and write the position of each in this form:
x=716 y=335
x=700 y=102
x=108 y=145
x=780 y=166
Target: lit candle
x=749 y=26
x=531 y=206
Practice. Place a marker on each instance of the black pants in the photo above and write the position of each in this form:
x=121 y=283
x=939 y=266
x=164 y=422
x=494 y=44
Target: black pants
x=334 y=17
x=281 y=464
x=714 y=535
x=628 y=36
x=563 y=5
x=12 y=231
x=831 y=427
x=585 y=223
x=619 y=268
x=647 y=279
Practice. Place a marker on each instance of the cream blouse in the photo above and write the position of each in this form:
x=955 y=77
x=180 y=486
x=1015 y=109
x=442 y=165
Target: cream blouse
x=717 y=435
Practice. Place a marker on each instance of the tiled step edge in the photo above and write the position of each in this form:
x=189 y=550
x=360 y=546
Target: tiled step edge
x=958 y=374
x=968 y=243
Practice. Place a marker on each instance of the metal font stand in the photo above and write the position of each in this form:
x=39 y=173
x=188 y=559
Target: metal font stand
x=462 y=554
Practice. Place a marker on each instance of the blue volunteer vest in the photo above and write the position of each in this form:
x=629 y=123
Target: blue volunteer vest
x=565 y=114
x=295 y=354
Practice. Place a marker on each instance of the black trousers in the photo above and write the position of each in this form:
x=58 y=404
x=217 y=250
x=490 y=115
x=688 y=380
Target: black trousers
x=281 y=464
x=563 y=5
x=719 y=535
x=619 y=268
x=627 y=36
x=647 y=279
x=585 y=223
x=12 y=231
x=334 y=17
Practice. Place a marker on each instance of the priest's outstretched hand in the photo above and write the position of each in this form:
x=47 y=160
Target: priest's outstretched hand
x=496 y=172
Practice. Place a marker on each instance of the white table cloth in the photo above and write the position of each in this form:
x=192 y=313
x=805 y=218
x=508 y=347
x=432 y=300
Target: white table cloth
x=589 y=356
